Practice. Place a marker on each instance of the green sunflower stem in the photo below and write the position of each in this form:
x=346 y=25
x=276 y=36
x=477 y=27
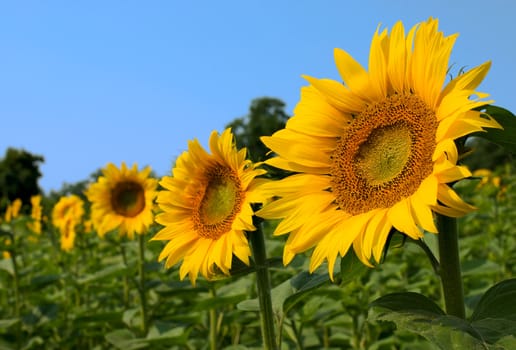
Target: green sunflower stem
x=450 y=271
x=17 y=297
x=213 y=322
x=263 y=282
x=126 y=279
x=141 y=287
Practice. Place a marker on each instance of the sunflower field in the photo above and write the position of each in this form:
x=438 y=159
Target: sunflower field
x=372 y=222
x=88 y=297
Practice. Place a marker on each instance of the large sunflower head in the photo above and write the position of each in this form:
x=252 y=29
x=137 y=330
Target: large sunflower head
x=206 y=207
x=378 y=151
x=122 y=199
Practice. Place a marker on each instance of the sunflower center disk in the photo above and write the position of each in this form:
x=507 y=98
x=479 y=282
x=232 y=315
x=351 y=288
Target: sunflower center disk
x=385 y=155
x=218 y=201
x=219 y=204
x=128 y=199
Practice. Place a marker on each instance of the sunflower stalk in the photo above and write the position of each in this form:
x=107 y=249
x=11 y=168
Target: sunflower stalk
x=450 y=270
x=263 y=282
x=141 y=284
x=126 y=279
x=213 y=322
x=17 y=297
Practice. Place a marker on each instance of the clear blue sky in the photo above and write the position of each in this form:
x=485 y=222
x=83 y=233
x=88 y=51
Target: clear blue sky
x=84 y=83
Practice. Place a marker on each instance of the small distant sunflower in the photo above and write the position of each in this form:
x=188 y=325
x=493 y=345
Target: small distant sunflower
x=6 y=254
x=67 y=213
x=378 y=151
x=13 y=210
x=122 y=199
x=35 y=224
x=68 y=235
x=67 y=208
x=206 y=207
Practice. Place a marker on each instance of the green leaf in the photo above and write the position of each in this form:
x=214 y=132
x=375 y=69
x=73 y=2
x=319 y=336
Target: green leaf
x=278 y=296
x=98 y=317
x=505 y=137
x=418 y=314
x=497 y=302
x=408 y=302
x=351 y=268
x=479 y=267
x=219 y=301
x=7 y=265
x=302 y=284
x=110 y=271
x=507 y=343
x=492 y=330
x=164 y=333
x=4 y=324
x=125 y=340
x=41 y=281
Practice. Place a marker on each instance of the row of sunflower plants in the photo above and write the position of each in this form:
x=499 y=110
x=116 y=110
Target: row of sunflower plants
x=370 y=240
x=84 y=293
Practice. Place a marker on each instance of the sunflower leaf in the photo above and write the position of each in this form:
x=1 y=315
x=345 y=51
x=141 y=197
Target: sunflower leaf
x=351 y=268
x=302 y=284
x=418 y=314
x=495 y=314
x=497 y=302
x=506 y=137
x=409 y=302
x=110 y=271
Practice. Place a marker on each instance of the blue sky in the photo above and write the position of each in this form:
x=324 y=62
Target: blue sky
x=84 y=83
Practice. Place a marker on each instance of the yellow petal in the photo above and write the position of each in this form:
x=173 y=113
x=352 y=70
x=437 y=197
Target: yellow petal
x=396 y=66
x=400 y=216
x=281 y=163
x=469 y=80
x=378 y=66
x=338 y=95
x=449 y=198
x=352 y=72
x=423 y=215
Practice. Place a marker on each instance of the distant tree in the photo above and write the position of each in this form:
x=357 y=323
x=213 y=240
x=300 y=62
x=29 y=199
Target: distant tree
x=266 y=115
x=19 y=174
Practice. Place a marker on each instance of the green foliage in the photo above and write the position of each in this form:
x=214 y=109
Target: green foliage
x=19 y=174
x=505 y=137
x=494 y=318
x=89 y=298
x=495 y=146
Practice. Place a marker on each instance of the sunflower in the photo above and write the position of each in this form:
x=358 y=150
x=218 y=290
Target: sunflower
x=68 y=235
x=206 y=207
x=35 y=224
x=69 y=208
x=376 y=152
x=67 y=213
x=122 y=198
x=13 y=210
